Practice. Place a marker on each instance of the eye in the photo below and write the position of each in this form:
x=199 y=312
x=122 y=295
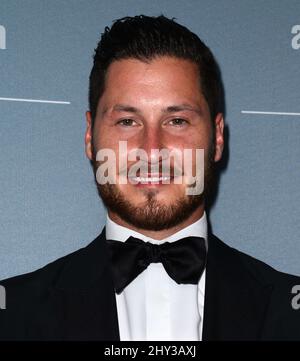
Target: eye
x=178 y=122
x=127 y=122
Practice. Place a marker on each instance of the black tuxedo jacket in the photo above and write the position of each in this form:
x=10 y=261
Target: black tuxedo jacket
x=73 y=299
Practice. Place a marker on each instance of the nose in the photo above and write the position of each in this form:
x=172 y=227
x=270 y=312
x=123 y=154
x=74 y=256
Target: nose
x=152 y=142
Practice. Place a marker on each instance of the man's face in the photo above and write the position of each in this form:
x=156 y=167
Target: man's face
x=154 y=105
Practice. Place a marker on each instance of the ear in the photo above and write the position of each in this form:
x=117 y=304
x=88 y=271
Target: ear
x=88 y=135
x=219 y=136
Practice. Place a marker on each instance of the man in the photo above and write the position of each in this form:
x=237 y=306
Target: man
x=155 y=272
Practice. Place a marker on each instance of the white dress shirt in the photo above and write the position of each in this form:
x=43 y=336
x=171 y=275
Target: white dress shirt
x=153 y=306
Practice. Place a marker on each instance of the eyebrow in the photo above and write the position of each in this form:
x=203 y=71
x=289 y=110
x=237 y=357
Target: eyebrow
x=183 y=107
x=169 y=109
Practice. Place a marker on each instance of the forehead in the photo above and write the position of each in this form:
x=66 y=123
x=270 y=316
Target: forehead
x=160 y=78
x=156 y=64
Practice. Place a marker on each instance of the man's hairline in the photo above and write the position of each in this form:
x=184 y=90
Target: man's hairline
x=148 y=60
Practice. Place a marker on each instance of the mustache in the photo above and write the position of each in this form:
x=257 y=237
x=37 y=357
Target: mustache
x=147 y=170
x=163 y=162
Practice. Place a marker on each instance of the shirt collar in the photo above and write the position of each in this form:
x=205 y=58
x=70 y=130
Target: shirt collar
x=120 y=233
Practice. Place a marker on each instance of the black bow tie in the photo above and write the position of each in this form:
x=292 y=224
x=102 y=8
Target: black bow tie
x=183 y=260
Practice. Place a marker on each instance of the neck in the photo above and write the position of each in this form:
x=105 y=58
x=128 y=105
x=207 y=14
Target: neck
x=158 y=235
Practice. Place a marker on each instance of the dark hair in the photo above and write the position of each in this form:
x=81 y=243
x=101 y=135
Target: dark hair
x=144 y=38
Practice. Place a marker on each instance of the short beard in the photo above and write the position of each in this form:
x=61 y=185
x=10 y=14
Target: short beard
x=151 y=214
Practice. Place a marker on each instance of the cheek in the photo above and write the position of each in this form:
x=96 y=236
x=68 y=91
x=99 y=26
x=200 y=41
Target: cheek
x=198 y=139
x=205 y=136
x=103 y=137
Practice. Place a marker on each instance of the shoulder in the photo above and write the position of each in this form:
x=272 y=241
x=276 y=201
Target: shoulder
x=258 y=269
x=30 y=286
x=266 y=273
x=72 y=270
x=24 y=295
x=285 y=286
x=33 y=301
x=282 y=315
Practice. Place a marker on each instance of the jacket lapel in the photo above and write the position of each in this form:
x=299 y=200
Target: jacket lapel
x=236 y=299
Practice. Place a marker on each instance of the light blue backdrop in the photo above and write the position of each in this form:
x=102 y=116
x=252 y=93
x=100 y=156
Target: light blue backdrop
x=49 y=204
